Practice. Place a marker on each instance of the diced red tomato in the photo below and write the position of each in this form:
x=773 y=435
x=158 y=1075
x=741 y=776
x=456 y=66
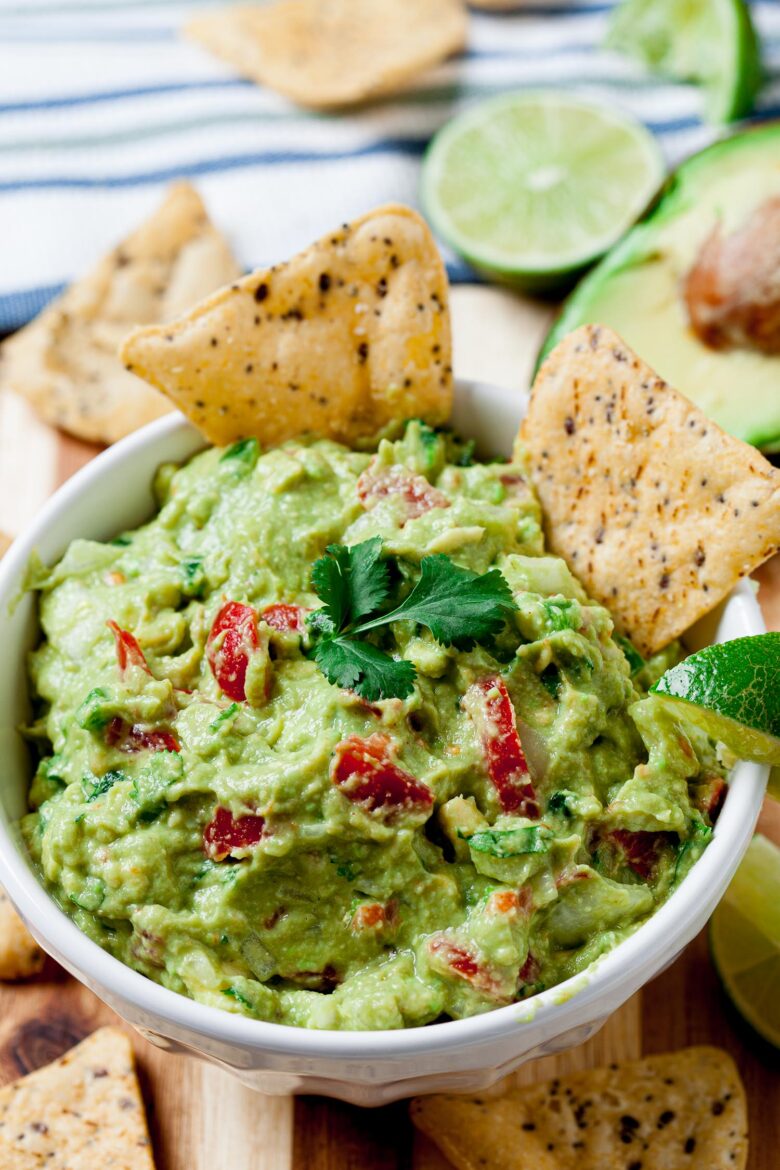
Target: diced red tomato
x=134 y=738
x=128 y=651
x=530 y=970
x=515 y=487
x=364 y=770
x=641 y=849
x=487 y=702
x=511 y=903
x=226 y=834
x=284 y=618
x=710 y=797
x=232 y=641
x=418 y=495
x=504 y=902
x=375 y=916
x=464 y=965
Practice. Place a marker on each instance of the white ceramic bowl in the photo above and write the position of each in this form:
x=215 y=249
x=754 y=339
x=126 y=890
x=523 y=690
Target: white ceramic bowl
x=368 y=1068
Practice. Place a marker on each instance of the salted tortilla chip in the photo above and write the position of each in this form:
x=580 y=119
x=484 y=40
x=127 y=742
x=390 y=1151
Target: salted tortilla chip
x=83 y=1112
x=325 y=53
x=12 y=1158
x=344 y=339
x=20 y=954
x=656 y=509
x=65 y=361
x=683 y=1108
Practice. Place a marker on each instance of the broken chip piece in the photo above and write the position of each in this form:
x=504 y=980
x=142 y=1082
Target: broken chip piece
x=333 y=53
x=64 y=362
x=83 y=1110
x=342 y=341
x=20 y=955
x=658 y=1113
x=655 y=509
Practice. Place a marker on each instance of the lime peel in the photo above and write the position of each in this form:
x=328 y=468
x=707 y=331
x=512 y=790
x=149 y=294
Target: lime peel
x=732 y=691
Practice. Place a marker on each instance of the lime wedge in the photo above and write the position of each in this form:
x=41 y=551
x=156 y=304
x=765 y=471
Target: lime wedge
x=531 y=187
x=712 y=42
x=745 y=939
x=733 y=692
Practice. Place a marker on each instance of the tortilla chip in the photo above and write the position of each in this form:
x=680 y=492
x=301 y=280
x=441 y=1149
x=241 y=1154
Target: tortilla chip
x=64 y=362
x=344 y=339
x=655 y=508
x=16 y=1159
x=5 y=543
x=20 y=954
x=664 y=1112
x=327 y=53
x=84 y=1112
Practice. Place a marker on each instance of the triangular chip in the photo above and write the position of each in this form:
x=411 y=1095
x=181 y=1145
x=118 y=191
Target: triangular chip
x=656 y=509
x=65 y=361
x=323 y=53
x=84 y=1112
x=344 y=339
x=20 y=955
x=681 y=1109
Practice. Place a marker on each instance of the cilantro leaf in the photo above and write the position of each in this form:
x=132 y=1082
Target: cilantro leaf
x=363 y=668
x=458 y=606
x=352 y=582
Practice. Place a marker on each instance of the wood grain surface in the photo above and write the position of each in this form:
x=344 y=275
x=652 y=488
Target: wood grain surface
x=201 y=1119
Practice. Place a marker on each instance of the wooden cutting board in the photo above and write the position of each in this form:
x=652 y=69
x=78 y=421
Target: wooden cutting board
x=201 y=1119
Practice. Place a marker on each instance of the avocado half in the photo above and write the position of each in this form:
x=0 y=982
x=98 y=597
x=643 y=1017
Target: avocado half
x=637 y=288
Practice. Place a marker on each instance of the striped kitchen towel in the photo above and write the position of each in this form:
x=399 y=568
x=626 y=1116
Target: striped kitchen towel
x=102 y=104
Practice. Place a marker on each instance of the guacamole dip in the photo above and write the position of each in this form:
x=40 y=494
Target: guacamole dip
x=216 y=814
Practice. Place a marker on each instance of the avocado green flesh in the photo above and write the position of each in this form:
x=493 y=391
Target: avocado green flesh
x=284 y=930
x=636 y=289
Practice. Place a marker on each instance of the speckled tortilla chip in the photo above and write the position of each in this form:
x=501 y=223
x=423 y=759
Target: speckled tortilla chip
x=656 y=509
x=84 y=1112
x=324 y=53
x=20 y=955
x=681 y=1109
x=65 y=361
x=344 y=339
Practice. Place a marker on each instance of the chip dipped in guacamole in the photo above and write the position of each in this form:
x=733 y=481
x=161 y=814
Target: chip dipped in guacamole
x=483 y=802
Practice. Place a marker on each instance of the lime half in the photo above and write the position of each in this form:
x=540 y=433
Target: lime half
x=733 y=692
x=531 y=187
x=745 y=939
x=711 y=42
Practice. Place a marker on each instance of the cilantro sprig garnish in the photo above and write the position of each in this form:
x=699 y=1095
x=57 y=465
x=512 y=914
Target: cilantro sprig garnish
x=459 y=607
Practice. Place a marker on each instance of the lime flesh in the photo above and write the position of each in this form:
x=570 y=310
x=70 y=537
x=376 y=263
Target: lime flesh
x=745 y=939
x=530 y=187
x=711 y=42
x=732 y=691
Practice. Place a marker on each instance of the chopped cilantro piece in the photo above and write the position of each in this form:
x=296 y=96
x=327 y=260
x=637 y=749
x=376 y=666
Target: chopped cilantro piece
x=94 y=714
x=512 y=842
x=633 y=657
x=194 y=577
x=95 y=786
x=242 y=456
x=562 y=613
x=223 y=717
x=560 y=801
x=238 y=997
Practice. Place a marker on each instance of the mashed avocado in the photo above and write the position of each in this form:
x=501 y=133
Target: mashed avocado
x=216 y=814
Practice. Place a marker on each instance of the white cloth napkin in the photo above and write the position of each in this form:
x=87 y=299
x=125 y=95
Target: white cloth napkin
x=102 y=104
